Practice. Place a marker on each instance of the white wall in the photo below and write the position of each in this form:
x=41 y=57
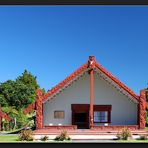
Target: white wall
x=123 y=110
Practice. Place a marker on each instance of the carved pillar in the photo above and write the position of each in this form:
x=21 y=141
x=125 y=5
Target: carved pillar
x=91 y=65
x=142 y=109
x=91 y=96
x=39 y=114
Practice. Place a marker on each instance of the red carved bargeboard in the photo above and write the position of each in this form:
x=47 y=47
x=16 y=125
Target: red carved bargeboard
x=29 y=108
x=5 y=116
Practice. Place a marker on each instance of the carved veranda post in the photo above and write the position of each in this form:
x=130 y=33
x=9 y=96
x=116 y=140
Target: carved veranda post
x=91 y=65
x=142 y=109
x=39 y=107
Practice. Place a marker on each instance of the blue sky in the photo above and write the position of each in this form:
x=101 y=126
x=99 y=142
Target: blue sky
x=53 y=41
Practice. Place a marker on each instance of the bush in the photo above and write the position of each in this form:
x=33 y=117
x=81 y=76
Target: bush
x=63 y=136
x=124 y=134
x=143 y=137
x=26 y=135
x=45 y=138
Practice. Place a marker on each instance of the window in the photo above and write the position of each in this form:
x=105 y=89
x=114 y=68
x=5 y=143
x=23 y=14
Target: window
x=58 y=114
x=101 y=116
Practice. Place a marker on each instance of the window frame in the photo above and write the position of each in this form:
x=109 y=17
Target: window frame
x=59 y=117
x=103 y=108
x=100 y=120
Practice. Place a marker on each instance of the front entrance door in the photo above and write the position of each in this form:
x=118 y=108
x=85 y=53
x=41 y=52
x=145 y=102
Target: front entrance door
x=80 y=119
x=80 y=115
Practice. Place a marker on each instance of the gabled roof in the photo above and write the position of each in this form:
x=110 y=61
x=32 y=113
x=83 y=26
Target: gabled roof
x=82 y=69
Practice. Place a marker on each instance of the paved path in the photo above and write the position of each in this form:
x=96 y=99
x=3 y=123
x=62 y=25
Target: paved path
x=2 y=134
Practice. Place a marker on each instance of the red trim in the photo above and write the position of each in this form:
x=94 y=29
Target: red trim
x=5 y=116
x=102 y=107
x=114 y=127
x=80 y=107
x=82 y=69
x=29 y=108
x=61 y=127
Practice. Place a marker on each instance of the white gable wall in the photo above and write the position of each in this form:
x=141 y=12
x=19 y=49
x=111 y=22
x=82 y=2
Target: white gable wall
x=124 y=112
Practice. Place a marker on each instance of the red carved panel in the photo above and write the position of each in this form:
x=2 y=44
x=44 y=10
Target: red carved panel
x=39 y=114
x=29 y=108
x=5 y=116
x=142 y=109
x=91 y=62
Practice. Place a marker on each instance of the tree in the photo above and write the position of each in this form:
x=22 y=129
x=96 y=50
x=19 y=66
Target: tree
x=28 y=79
x=19 y=93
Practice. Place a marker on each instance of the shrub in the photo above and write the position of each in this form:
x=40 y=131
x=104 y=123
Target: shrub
x=45 y=138
x=63 y=136
x=26 y=135
x=124 y=134
x=143 y=137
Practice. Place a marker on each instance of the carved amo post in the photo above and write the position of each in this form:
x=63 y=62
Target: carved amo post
x=39 y=114
x=142 y=109
x=91 y=65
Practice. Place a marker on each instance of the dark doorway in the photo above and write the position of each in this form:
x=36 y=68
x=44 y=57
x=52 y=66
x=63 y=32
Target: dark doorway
x=80 y=115
x=80 y=119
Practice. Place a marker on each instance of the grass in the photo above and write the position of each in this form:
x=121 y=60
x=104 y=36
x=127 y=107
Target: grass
x=13 y=138
x=8 y=138
x=146 y=128
x=132 y=141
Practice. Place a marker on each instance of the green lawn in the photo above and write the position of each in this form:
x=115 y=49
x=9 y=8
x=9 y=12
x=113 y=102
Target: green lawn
x=146 y=128
x=14 y=139
x=8 y=138
x=132 y=141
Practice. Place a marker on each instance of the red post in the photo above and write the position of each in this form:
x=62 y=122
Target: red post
x=91 y=66
x=91 y=96
x=142 y=109
x=39 y=114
